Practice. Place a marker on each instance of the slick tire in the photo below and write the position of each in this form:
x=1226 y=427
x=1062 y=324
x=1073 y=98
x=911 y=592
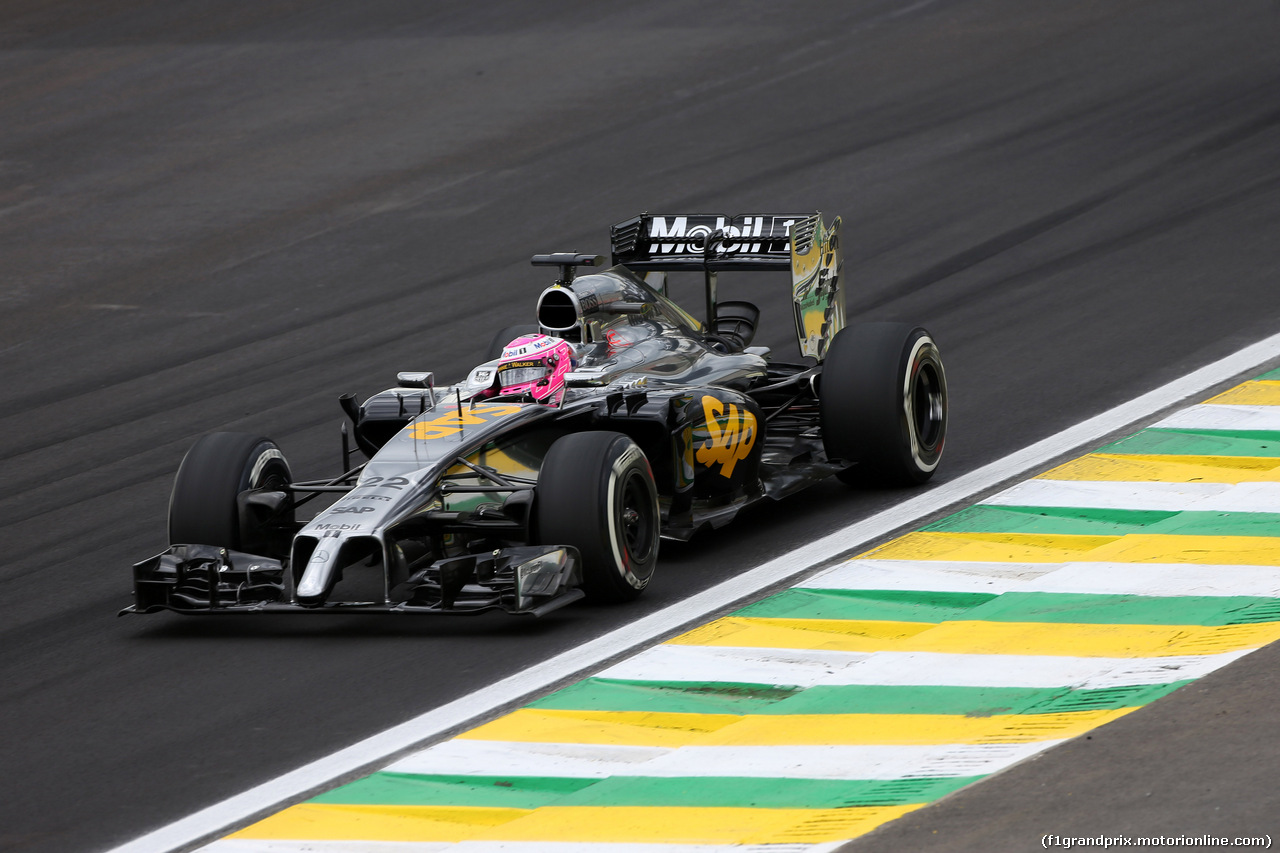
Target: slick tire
x=506 y=336
x=203 y=509
x=596 y=492
x=884 y=404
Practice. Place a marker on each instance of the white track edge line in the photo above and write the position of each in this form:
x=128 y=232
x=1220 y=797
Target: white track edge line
x=364 y=756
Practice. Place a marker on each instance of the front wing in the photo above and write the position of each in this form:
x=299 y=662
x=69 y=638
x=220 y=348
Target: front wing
x=204 y=579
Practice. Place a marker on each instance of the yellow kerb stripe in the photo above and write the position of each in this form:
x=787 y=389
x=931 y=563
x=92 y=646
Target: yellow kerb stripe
x=989 y=547
x=567 y=824
x=1132 y=548
x=551 y=725
x=674 y=730
x=990 y=638
x=906 y=729
x=1201 y=550
x=334 y=822
x=853 y=635
x=1257 y=393
x=673 y=825
x=1168 y=469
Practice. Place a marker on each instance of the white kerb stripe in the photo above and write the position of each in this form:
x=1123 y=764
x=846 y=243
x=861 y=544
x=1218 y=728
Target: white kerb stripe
x=1213 y=416
x=1160 y=579
x=514 y=758
x=921 y=669
x=518 y=758
x=781 y=667
x=931 y=575
x=1146 y=579
x=1168 y=497
x=702 y=664
x=1244 y=497
x=844 y=762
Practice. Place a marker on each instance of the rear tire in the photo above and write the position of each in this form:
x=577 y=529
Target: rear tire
x=884 y=404
x=596 y=492
x=203 y=509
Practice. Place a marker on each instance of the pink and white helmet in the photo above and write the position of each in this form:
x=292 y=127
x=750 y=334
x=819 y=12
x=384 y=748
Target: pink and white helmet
x=536 y=365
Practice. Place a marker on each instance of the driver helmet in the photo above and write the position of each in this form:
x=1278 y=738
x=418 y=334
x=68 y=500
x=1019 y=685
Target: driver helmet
x=536 y=365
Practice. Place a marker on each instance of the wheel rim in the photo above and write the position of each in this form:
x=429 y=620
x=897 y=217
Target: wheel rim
x=926 y=405
x=276 y=480
x=636 y=517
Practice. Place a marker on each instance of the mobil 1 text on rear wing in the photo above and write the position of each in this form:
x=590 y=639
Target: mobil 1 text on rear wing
x=697 y=241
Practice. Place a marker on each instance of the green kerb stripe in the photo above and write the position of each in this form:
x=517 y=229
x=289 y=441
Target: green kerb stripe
x=1052 y=521
x=884 y=605
x=765 y=793
x=1271 y=375
x=595 y=694
x=967 y=701
x=867 y=605
x=394 y=789
x=1207 y=610
x=603 y=694
x=405 y=789
x=1199 y=442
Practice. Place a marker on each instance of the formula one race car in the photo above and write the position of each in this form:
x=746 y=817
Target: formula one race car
x=554 y=468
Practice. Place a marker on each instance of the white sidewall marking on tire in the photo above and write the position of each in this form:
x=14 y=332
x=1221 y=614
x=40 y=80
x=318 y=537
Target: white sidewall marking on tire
x=620 y=465
x=260 y=463
x=372 y=753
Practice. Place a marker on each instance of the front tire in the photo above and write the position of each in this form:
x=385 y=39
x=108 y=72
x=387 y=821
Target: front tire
x=203 y=507
x=884 y=404
x=596 y=492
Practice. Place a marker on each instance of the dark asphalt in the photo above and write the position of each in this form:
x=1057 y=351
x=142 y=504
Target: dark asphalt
x=222 y=216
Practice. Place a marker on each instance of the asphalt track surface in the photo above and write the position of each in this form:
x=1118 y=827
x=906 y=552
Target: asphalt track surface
x=222 y=216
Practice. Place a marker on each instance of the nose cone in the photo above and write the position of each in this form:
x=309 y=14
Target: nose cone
x=320 y=574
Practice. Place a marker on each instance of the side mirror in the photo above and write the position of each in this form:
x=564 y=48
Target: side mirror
x=416 y=379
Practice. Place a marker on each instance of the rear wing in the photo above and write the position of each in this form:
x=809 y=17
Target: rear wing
x=709 y=242
x=705 y=241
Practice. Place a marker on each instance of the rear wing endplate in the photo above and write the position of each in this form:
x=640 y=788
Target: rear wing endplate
x=817 y=294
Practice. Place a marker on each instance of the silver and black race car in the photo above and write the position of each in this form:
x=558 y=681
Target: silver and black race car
x=552 y=471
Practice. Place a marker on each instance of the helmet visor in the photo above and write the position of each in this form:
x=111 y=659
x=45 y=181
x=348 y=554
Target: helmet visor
x=522 y=373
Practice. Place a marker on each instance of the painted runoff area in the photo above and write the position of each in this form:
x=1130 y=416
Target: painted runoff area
x=869 y=689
